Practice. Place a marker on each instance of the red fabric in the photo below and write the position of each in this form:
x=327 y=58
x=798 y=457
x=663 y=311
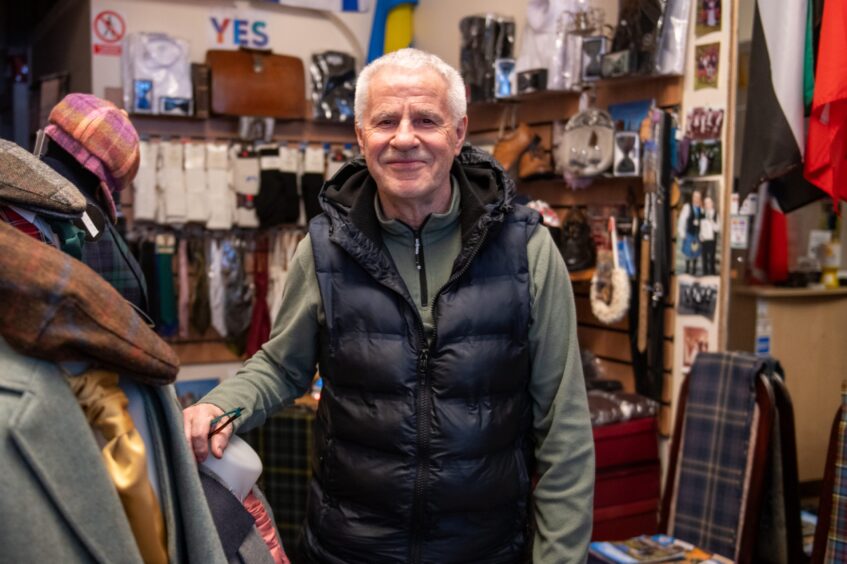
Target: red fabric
x=771 y=255
x=826 y=147
x=265 y=528
x=13 y=218
x=260 y=325
x=626 y=443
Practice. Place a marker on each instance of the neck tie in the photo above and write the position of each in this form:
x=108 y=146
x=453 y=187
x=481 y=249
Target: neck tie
x=105 y=407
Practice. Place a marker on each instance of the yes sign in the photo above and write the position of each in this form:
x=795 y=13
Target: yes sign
x=242 y=32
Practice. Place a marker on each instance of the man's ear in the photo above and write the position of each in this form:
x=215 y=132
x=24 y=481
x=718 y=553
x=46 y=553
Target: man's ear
x=461 y=133
x=360 y=139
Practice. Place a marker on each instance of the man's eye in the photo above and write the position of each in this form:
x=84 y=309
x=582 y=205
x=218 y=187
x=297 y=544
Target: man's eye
x=385 y=123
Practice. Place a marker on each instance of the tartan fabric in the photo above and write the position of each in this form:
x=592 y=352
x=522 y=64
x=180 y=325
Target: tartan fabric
x=101 y=137
x=27 y=182
x=13 y=218
x=56 y=308
x=836 y=542
x=284 y=444
x=716 y=437
x=110 y=257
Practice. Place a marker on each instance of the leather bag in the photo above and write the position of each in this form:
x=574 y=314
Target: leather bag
x=253 y=82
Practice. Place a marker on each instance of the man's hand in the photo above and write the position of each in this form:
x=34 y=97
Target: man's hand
x=196 y=422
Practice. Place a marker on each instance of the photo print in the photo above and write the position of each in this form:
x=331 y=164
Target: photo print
x=708 y=17
x=694 y=341
x=698 y=229
x=707 y=58
x=705 y=158
x=704 y=123
x=698 y=299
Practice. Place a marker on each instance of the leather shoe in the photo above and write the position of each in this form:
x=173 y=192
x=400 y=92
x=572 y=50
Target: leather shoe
x=510 y=147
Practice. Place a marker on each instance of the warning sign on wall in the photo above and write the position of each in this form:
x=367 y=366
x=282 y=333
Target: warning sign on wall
x=108 y=28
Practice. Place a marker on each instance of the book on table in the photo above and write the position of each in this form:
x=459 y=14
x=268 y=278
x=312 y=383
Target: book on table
x=652 y=549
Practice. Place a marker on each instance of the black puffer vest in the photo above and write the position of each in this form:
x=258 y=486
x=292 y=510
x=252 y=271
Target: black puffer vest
x=422 y=449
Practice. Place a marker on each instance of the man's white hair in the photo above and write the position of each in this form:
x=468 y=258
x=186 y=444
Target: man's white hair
x=413 y=59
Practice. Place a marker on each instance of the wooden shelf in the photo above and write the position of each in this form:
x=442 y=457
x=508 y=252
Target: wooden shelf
x=551 y=105
x=604 y=190
x=778 y=292
x=223 y=127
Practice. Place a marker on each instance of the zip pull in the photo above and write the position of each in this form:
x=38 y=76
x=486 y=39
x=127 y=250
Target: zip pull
x=418 y=251
x=423 y=361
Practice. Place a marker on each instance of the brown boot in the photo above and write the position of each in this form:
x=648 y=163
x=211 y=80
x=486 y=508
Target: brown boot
x=510 y=147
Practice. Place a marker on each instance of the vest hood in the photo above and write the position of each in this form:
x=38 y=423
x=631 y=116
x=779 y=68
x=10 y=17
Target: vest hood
x=486 y=191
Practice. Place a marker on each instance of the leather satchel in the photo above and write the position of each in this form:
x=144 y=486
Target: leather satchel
x=254 y=82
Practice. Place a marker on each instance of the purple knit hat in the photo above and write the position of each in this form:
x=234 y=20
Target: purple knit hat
x=101 y=137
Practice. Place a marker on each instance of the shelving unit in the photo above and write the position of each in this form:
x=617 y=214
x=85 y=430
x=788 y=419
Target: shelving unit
x=540 y=110
x=223 y=127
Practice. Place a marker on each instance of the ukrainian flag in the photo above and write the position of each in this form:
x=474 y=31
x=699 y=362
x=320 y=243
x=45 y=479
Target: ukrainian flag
x=392 y=27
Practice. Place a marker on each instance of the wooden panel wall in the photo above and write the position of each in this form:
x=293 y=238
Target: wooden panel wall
x=610 y=343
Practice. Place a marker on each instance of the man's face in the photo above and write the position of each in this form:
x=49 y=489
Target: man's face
x=696 y=198
x=408 y=137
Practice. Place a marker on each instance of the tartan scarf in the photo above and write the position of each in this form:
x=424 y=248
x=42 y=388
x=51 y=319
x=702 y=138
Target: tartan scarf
x=836 y=542
x=716 y=439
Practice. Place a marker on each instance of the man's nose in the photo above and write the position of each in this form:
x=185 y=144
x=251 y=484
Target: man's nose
x=405 y=137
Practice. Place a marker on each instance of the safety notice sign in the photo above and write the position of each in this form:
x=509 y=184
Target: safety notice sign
x=108 y=28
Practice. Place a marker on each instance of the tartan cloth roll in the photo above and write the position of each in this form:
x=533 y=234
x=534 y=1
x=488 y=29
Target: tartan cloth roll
x=836 y=542
x=100 y=137
x=716 y=439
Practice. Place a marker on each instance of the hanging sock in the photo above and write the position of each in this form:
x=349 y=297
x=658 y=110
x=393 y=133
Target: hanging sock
x=165 y=248
x=201 y=315
x=105 y=407
x=260 y=323
x=182 y=261
x=216 y=287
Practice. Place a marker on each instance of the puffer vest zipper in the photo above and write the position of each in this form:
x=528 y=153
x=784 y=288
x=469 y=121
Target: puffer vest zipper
x=421 y=448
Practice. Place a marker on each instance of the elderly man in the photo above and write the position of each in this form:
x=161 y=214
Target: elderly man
x=442 y=320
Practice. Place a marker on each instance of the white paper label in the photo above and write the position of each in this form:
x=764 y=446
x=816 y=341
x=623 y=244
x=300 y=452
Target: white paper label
x=270 y=162
x=288 y=159
x=315 y=160
x=738 y=229
x=89 y=225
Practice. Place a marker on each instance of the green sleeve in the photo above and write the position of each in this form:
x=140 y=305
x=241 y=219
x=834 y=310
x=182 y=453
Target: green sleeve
x=282 y=370
x=564 y=444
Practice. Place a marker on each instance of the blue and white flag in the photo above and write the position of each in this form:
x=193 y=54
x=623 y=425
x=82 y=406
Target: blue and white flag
x=327 y=5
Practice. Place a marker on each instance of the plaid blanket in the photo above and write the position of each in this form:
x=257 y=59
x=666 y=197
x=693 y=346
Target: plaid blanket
x=716 y=438
x=836 y=542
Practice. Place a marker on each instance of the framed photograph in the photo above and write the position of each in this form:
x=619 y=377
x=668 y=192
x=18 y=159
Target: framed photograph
x=698 y=231
x=708 y=17
x=704 y=123
x=593 y=49
x=707 y=58
x=705 y=158
x=695 y=341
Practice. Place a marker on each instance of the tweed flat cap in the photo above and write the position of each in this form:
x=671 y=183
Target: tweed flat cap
x=54 y=307
x=27 y=182
x=101 y=137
